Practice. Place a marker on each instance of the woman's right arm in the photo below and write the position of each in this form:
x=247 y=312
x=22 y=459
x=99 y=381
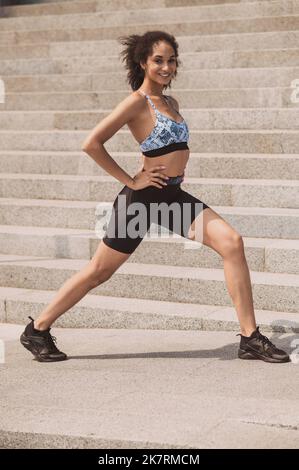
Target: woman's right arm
x=93 y=145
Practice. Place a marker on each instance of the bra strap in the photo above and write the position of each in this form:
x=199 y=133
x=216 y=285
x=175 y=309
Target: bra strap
x=170 y=104
x=148 y=98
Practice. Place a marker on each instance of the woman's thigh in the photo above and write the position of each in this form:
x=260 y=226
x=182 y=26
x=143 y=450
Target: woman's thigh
x=210 y=229
x=107 y=259
x=129 y=221
x=196 y=221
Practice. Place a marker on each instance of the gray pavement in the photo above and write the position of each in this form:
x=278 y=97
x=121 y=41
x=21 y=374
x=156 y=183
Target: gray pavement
x=134 y=388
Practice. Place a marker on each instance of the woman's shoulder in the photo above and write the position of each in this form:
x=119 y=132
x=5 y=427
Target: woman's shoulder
x=133 y=103
x=137 y=95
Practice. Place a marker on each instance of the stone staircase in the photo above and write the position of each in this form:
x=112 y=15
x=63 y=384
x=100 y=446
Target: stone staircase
x=62 y=74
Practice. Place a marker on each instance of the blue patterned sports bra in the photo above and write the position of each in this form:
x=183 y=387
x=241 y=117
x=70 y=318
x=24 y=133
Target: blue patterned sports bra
x=167 y=135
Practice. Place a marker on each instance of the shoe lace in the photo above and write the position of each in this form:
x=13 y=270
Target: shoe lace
x=264 y=339
x=51 y=340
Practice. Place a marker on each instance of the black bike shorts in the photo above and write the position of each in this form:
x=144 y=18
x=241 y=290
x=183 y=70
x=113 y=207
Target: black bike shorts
x=124 y=232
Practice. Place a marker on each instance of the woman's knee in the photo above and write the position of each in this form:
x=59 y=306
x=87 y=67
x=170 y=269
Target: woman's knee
x=99 y=274
x=232 y=245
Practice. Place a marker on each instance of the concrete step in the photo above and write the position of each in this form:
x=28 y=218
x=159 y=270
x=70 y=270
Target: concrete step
x=67 y=7
x=101 y=311
x=204 y=42
x=200 y=60
x=214 y=165
x=132 y=16
x=224 y=191
x=271 y=291
x=89 y=6
x=249 y=221
x=216 y=118
x=246 y=141
x=92 y=32
x=204 y=98
x=262 y=254
x=24 y=9
x=51 y=8
x=186 y=82
x=245 y=41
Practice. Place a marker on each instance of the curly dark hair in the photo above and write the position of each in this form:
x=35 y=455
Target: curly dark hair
x=138 y=48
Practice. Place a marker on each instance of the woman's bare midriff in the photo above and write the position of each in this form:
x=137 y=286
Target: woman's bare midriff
x=175 y=162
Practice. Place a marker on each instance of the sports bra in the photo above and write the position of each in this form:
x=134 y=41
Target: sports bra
x=167 y=135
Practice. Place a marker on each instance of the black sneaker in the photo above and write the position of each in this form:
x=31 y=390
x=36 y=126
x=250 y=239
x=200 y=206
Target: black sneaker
x=41 y=344
x=258 y=346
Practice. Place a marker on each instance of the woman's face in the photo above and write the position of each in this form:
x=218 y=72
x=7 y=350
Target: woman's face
x=161 y=65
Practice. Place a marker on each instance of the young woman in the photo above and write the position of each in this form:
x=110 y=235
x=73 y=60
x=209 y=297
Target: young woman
x=155 y=122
